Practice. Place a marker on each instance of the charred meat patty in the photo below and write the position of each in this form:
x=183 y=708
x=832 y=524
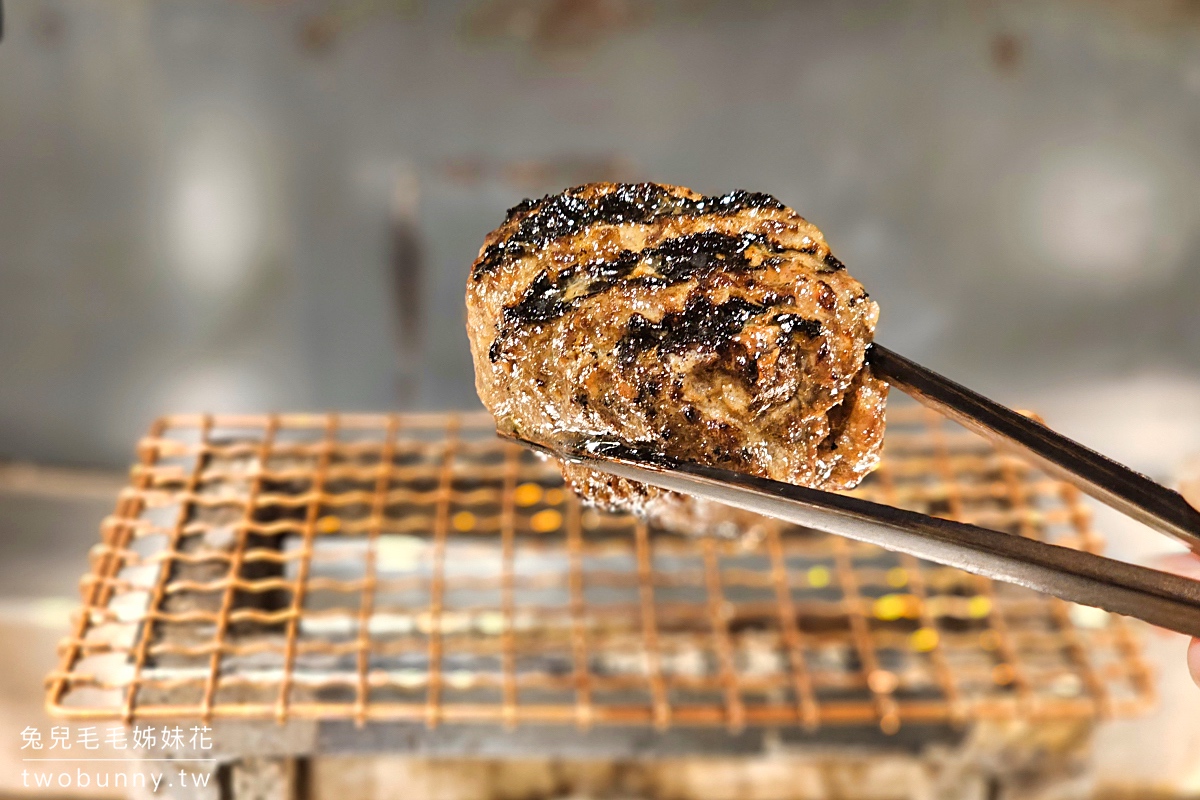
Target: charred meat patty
x=714 y=329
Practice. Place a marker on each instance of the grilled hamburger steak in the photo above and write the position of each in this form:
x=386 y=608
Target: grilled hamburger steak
x=719 y=330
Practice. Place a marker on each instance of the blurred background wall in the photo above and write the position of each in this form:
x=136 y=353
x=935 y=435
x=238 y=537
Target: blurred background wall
x=268 y=204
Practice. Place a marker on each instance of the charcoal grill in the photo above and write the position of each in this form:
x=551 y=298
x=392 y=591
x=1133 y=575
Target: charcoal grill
x=411 y=582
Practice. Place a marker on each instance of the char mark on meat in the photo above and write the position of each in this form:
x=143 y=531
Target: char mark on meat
x=555 y=216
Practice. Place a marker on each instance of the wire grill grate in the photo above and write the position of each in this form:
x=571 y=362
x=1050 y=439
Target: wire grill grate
x=414 y=567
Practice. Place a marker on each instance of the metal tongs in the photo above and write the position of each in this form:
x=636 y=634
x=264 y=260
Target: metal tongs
x=1168 y=601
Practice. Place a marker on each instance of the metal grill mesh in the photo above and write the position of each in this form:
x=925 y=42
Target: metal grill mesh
x=417 y=568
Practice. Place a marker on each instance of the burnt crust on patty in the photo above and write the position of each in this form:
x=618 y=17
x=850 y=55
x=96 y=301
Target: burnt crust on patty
x=719 y=330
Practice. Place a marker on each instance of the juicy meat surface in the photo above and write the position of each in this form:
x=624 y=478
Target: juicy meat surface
x=719 y=330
